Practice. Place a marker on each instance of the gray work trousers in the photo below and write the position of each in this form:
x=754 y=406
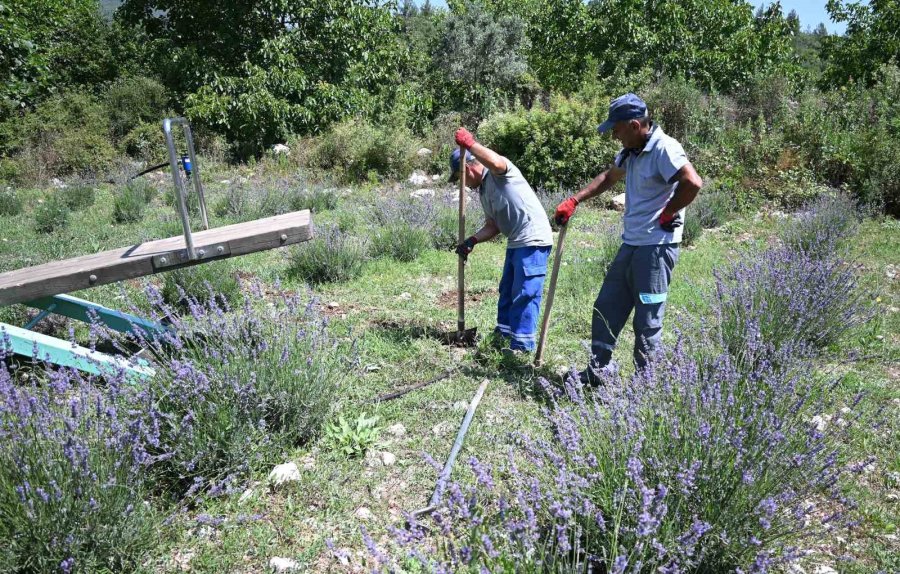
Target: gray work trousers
x=638 y=279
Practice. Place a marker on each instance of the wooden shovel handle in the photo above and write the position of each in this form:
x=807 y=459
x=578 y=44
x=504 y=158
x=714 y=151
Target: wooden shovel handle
x=548 y=305
x=461 y=270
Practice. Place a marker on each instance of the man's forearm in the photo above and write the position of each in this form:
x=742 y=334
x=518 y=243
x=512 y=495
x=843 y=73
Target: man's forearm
x=489 y=158
x=487 y=232
x=683 y=196
x=598 y=185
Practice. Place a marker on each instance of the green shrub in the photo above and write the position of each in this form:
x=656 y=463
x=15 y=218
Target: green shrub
x=130 y=201
x=400 y=242
x=330 y=257
x=51 y=214
x=356 y=148
x=353 y=439
x=146 y=142
x=67 y=134
x=691 y=232
x=315 y=198
x=559 y=148
x=10 y=202
x=712 y=208
x=135 y=101
x=78 y=196
x=203 y=283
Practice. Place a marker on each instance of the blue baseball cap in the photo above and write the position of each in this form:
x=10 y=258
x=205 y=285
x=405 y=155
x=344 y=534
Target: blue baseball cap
x=454 y=162
x=627 y=107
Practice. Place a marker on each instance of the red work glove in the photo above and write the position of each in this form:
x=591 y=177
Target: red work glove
x=466 y=247
x=565 y=210
x=464 y=138
x=669 y=221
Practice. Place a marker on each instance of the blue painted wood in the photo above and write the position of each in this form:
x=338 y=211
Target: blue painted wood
x=65 y=354
x=82 y=310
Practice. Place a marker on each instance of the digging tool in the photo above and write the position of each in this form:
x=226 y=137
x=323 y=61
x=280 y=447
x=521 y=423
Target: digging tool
x=548 y=305
x=461 y=268
x=448 y=466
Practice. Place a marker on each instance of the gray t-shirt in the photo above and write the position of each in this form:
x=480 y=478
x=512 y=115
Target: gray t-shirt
x=514 y=207
x=649 y=187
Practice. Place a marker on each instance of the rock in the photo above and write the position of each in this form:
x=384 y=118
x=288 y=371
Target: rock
x=333 y=305
x=424 y=192
x=308 y=462
x=418 y=178
x=435 y=178
x=442 y=428
x=283 y=564
x=823 y=569
x=388 y=458
x=225 y=182
x=404 y=296
x=423 y=152
x=396 y=430
x=245 y=496
x=287 y=472
x=372 y=459
x=58 y=183
x=460 y=406
x=820 y=422
x=281 y=149
x=618 y=202
x=364 y=513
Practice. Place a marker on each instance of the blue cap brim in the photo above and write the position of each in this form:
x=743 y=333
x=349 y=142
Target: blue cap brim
x=605 y=126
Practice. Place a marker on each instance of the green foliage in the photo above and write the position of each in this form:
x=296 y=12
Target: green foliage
x=51 y=214
x=494 y=59
x=870 y=41
x=353 y=439
x=214 y=281
x=559 y=148
x=691 y=232
x=712 y=208
x=315 y=198
x=10 y=202
x=78 y=196
x=356 y=148
x=330 y=257
x=68 y=134
x=134 y=101
x=146 y=142
x=131 y=200
x=401 y=242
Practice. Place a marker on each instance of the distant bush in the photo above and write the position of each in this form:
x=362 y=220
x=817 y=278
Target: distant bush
x=330 y=257
x=51 y=214
x=201 y=284
x=10 y=202
x=133 y=101
x=822 y=225
x=146 y=142
x=559 y=148
x=78 y=196
x=356 y=148
x=315 y=198
x=72 y=475
x=130 y=201
x=67 y=134
x=400 y=242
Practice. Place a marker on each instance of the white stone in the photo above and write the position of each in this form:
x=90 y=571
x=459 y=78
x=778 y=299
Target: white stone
x=281 y=149
x=618 y=202
x=442 y=428
x=245 y=496
x=58 y=183
x=364 y=513
x=333 y=305
x=820 y=422
x=435 y=178
x=388 y=458
x=372 y=459
x=308 y=462
x=405 y=296
x=824 y=569
x=423 y=152
x=225 y=182
x=396 y=430
x=460 y=406
x=420 y=193
x=418 y=178
x=287 y=472
x=283 y=564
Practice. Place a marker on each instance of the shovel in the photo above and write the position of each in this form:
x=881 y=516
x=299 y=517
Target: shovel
x=548 y=306
x=463 y=337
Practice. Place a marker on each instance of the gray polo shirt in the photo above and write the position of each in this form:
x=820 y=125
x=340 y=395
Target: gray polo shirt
x=649 y=186
x=509 y=200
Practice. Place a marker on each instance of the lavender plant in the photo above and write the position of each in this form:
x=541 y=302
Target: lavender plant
x=780 y=295
x=72 y=467
x=234 y=389
x=401 y=242
x=331 y=256
x=439 y=217
x=688 y=466
x=822 y=225
x=712 y=208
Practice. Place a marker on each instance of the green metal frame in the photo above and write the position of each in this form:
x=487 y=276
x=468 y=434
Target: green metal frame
x=56 y=351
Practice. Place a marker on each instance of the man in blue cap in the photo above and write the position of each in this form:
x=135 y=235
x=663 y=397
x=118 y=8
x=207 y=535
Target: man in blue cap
x=511 y=208
x=659 y=183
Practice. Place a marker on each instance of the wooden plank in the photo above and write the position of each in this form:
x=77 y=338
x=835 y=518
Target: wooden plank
x=116 y=265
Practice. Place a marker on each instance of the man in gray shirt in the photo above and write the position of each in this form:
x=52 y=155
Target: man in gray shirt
x=511 y=208
x=659 y=183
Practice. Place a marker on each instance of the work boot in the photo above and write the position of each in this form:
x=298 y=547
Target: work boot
x=593 y=377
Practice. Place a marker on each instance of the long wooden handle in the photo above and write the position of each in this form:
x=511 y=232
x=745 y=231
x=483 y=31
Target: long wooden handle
x=548 y=305
x=461 y=271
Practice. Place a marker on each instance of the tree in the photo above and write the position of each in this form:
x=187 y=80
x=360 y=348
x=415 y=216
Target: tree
x=871 y=40
x=259 y=71
x=483 y=55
